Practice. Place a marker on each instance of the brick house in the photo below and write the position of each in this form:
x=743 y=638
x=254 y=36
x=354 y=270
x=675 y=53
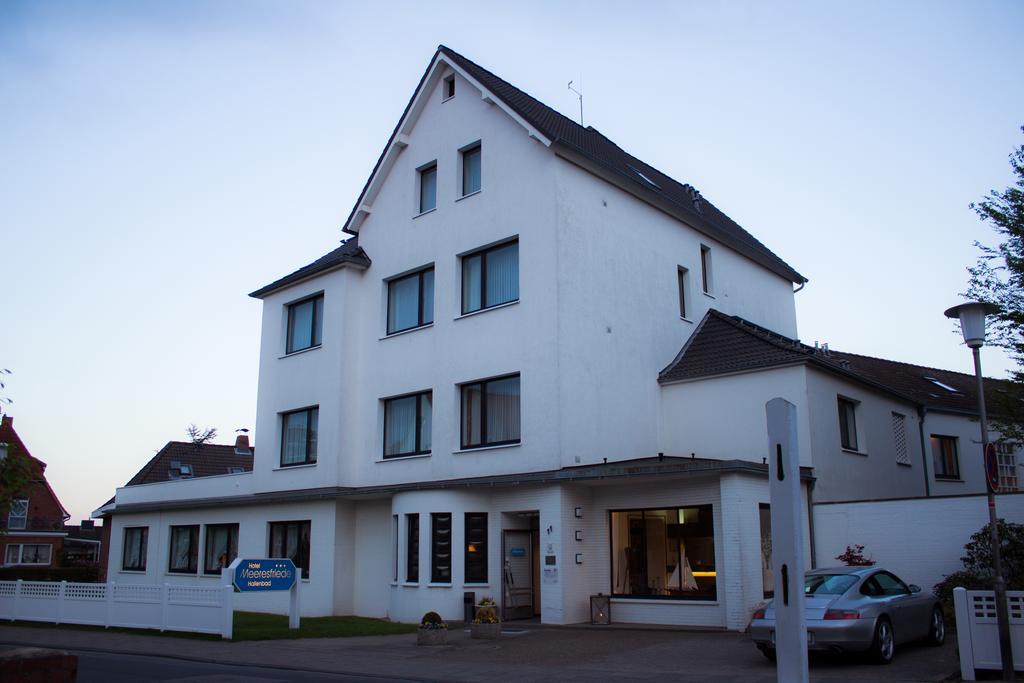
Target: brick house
x=33 y=529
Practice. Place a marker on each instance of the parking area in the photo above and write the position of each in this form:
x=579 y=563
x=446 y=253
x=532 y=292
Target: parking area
x=532 y=654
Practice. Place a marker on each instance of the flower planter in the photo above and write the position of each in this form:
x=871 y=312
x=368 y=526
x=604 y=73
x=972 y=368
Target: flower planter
x=432 y=636
x=484 y=631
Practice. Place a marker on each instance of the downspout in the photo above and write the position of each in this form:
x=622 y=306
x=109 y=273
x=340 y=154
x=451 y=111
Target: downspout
x=810 y=520
x=921 y=410
x=802 y=285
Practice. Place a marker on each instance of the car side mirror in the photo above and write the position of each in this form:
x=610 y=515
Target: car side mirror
x=914 y=588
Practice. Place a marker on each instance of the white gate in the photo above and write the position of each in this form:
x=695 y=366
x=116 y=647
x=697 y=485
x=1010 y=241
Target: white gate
x=200 y=609
x=977 y=632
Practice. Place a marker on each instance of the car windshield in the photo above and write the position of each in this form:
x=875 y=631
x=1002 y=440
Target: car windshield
x=828 y=584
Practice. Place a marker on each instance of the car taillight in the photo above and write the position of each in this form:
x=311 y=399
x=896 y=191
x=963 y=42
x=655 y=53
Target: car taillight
x=759 y=614
x=841 y=614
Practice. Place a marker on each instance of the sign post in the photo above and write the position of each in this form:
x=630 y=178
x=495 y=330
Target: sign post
x=787 y=542
x=265 y=575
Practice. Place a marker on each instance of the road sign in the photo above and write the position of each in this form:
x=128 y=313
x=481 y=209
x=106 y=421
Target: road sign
x=276 y=574
x=992 y=467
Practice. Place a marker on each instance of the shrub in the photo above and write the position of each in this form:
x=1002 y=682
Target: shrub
x=486 y=614
x=432 y=620
x=977 y=561
x=853 y=556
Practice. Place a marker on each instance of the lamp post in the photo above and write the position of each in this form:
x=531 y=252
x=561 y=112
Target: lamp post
x=972 y=324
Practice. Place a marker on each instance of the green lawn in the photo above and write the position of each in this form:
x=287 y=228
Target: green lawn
x=259 y=626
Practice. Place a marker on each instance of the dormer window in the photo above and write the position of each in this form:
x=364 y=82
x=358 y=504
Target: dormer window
x=943 y=385
x=448 y=88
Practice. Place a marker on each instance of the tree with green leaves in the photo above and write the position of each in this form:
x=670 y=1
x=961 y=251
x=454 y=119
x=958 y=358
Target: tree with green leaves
x=15 y=472
x=998 y=278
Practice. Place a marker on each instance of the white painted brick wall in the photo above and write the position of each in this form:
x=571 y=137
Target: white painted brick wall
x=921 y=540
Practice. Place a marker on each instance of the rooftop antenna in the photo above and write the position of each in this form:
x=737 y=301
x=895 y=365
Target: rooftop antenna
x=579 y=93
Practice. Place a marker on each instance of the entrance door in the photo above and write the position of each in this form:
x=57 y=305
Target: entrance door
x=517 y=575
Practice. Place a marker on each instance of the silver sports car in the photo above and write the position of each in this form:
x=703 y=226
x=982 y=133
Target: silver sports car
x=858 y=609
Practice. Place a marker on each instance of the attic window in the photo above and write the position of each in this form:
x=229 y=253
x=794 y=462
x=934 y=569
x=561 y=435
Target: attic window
x=236 y=470
x=644 y=178
x=448 y=90
x=943 y=385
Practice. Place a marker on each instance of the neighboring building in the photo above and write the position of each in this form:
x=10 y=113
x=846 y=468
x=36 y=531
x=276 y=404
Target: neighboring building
x=83 y=545
x=33 y=529
x=477 y=391
x=177 y=460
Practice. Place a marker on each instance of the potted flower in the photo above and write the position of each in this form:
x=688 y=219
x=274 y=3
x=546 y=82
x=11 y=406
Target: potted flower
x=486 y=624
x=432 y=630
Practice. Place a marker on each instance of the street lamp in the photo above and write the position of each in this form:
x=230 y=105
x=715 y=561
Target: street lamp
x=972 y=324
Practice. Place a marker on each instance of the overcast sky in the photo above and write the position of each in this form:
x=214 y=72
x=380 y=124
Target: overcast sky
x=160 y=161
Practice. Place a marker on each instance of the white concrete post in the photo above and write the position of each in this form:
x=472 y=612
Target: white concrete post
x=294 y=603
x=964 y=636
x=163 y=606
x=60 y=600
x=787 y=542
x=17 y=599
x=109 y=616
x=228 y=603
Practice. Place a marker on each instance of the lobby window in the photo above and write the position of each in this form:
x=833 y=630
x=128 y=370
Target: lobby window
x=407 y=425
x=411 y=301
x=184 y=549
x=17 y=518
x=490 y=277
x=412 y=548
x=847 y=423
x=490 y=412
x=470 y=170
x=476 y=547
x=664 y=553
x=428 y=187
x=28 y=553
x=299 y=436
x=441 y=547
x=944 y=457
x=221 y=547
x=133 y=554
x=291 y=540
x=305 y=323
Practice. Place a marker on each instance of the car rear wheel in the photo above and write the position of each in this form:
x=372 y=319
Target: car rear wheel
x=884 y=644
x=937 y=628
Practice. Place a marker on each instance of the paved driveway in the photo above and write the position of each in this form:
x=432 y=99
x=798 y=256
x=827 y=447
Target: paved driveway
x=536 y=654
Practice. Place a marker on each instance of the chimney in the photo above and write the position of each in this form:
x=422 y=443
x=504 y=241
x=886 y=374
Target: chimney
x=242 y=445
x=88 y=524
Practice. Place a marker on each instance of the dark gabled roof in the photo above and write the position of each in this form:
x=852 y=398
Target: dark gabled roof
x=597 y=148
x=587 y=144
x=348 y=253
x=724 y=344
x=206 y=460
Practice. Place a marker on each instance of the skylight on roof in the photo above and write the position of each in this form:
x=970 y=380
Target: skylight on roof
x=644 y=178
x=943 y=385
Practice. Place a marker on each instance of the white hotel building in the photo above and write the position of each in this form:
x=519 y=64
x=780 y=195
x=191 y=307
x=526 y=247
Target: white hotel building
x=495 y=386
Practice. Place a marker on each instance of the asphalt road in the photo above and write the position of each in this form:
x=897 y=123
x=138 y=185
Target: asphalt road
x=102 y=667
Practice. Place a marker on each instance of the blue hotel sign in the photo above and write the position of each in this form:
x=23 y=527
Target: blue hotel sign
x=264 y=575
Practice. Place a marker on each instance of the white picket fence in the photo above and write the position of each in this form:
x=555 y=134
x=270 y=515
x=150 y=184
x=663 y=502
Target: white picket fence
x=977 y=631
x=200 y=609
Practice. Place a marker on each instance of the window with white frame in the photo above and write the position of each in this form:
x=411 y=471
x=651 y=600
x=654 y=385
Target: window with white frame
x=848 y=423
x=299 y=436
x=305 y=323
x=899 y=439
x=18 y=516
x=470 y=169
x=706 y=280
x=490 y=412
x=411 y=301
x=428 y=187
x=133 y=554
x=490 y=277
x=28 y=553
x=407 y=425
x=1007 y=457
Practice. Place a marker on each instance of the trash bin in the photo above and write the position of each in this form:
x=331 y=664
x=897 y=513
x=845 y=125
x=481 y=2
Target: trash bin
x=469 y=606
